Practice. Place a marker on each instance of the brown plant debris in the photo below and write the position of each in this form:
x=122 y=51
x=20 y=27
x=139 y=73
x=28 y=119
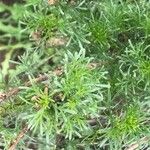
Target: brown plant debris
x=136 y=144
x=52 y=2
x=58 y=71
x=15 y=142
x=56 y=41
x=14 y=91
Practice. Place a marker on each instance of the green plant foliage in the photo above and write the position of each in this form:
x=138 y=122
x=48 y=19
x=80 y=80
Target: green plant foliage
x=76 y=73
x=80 y=97
x=144 y=68
x=44 y=23
x=128 y=124
x=99 y=33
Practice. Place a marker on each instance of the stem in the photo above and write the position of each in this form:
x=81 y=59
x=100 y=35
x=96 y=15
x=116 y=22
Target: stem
x=13 y=144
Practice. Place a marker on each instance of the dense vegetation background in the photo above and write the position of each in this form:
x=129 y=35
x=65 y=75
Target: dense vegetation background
x=75 y=74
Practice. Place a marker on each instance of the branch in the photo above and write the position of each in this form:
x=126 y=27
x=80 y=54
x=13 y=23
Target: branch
x=58 y=71
x=6 y=95
x=13 y=144
x=136 y=144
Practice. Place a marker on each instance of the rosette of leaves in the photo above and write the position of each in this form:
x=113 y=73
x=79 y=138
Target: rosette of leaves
x=72 y=99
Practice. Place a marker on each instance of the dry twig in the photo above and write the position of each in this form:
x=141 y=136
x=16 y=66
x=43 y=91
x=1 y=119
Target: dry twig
x=58 y=71
x=13 y=144
x=136 y=144
x=6 y=95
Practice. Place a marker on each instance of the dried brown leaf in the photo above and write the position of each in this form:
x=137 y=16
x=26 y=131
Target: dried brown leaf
x=57 y=41
x=52 y=2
